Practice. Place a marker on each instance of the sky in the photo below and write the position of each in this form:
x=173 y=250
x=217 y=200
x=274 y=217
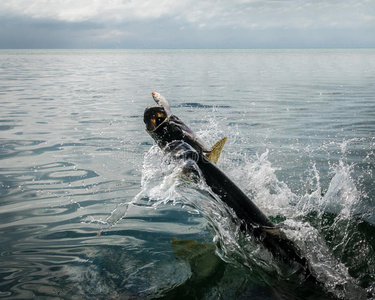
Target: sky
x=186 y=24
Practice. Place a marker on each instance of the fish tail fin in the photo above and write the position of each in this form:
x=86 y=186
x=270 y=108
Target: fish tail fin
x=216 y=150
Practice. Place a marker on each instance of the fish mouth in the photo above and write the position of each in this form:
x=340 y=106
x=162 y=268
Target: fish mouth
x=162 y=127
x=154 y=117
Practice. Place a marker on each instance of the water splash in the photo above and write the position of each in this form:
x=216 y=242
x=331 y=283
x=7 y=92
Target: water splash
x=321 y=224
x=342 y=195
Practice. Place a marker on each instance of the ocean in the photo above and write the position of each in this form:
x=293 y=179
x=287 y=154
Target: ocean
x=90 y=208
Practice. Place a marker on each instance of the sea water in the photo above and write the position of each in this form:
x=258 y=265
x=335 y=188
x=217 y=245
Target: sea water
x=91 y=208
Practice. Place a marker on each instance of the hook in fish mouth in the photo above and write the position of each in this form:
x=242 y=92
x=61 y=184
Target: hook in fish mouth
x=156 y=115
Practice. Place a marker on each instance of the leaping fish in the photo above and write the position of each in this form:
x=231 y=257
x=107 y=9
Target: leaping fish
x=175 y=137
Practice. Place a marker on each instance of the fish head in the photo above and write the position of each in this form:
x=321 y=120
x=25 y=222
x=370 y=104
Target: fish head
x=164 y=127
x=154 y=117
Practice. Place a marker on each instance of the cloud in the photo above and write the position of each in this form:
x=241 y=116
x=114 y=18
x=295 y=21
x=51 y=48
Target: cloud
x=222 y=13
x=187 y=23
x=92 y=10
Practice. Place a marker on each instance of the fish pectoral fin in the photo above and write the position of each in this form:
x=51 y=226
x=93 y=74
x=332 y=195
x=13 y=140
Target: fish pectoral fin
x=216 y=150
x=188 y=249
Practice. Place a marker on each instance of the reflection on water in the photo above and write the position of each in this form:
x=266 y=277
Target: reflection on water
x=72 y=147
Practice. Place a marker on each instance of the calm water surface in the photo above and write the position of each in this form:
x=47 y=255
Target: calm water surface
x=88 y=208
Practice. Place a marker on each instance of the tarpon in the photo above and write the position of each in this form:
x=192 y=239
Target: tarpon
x=175 y=137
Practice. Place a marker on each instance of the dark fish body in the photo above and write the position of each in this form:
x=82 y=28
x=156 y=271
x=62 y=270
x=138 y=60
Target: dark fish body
x=249 y=217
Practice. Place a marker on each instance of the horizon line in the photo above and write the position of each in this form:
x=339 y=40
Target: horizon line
x=203 y=48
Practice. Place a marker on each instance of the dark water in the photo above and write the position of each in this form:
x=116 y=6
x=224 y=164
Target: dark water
x=91 y=210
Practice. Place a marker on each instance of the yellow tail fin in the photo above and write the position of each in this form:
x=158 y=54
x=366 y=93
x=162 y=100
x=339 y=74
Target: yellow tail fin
x=216 y=150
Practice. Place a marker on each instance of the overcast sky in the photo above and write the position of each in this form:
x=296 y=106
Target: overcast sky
x=187 y=24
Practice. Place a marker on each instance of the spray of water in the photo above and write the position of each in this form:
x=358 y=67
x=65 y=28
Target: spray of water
x=323 y=226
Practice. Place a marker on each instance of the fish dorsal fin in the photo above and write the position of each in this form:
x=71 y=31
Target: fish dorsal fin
x=216 y=150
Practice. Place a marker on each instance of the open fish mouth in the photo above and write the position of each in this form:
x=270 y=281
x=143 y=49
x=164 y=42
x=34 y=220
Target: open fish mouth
x=154 y=117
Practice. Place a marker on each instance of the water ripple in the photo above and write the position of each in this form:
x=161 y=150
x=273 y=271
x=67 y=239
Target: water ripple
x=72 y=152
